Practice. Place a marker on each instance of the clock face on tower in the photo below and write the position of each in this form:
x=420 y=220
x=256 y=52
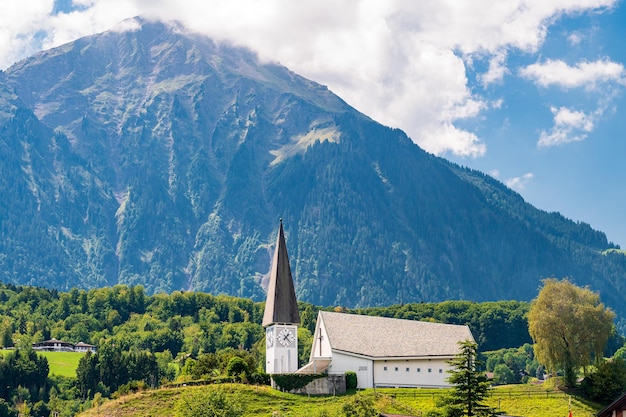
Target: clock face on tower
x=286 y=337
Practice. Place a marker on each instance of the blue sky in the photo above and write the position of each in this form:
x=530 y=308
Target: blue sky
x=581 y=178
x=529 y=91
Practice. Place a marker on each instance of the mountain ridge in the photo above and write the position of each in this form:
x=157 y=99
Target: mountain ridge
x=156 y=156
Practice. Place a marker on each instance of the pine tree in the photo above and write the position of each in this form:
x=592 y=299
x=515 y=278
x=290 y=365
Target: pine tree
x=470 y=387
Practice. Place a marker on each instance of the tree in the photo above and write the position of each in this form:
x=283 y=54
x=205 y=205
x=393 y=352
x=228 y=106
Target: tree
x=607 y=382
x=503 y=375
x=470 y=387
x=87 y=375
x=5 y=409
x=237 y=368
x=7 y=337
x=570 y=327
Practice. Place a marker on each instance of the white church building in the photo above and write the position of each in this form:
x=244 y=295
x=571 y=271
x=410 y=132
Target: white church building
x=383 y=352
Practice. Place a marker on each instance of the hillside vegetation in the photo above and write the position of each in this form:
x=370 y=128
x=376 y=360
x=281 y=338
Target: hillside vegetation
x=535 y=401
x=197 y=322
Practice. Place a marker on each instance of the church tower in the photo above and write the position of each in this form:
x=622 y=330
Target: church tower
x=281 y=316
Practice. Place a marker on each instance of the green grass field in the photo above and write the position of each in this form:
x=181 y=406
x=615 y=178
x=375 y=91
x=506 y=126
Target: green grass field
x=514 y=400
x=60 y=363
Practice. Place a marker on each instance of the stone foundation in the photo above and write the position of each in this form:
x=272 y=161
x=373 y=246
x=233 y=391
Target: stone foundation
x=328 y=385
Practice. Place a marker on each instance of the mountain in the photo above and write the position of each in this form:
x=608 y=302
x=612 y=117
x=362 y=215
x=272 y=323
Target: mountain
x=159 y=157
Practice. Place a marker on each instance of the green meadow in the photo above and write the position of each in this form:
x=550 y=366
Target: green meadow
x=60 y=363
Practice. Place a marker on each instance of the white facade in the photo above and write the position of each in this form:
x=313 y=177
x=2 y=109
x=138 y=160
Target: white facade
x=364 y=368
x=392 y=372
x=281 y=349
x=411 y=373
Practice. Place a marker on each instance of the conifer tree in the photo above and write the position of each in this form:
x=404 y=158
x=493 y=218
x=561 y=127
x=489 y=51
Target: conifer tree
x=470 y=386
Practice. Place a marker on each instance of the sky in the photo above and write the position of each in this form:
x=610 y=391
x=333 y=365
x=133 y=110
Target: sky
x=528 y=91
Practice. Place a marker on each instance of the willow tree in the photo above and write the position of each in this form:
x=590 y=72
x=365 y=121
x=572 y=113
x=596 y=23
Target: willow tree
x=569 y=326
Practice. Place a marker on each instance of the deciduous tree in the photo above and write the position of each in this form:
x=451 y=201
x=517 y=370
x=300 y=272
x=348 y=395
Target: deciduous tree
x=570 y=327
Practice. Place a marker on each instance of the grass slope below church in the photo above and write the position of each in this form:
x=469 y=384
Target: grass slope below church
x=519 y=400
x=60 y=363
x=256 y=401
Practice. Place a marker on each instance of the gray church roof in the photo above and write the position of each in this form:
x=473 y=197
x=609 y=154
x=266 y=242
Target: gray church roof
x=383 y=337
x=281 y=305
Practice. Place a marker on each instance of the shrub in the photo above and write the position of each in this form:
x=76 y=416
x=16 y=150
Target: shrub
x=607 y=382
x=351 y=380
x=236 y=367
x=260 y=378
x=208 y=402
x=359 y=406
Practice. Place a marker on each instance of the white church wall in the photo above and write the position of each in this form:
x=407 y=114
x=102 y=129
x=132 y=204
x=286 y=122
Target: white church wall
x=363 y=368
x=411 y=373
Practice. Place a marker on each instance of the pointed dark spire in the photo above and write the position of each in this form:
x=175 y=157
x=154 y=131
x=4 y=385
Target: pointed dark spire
x=281 y=305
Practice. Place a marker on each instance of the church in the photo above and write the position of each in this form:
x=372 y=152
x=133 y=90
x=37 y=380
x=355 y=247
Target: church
x=382 y=351
x=385 y=352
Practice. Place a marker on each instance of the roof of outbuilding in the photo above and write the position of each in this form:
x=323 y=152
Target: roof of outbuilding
x=383 y=337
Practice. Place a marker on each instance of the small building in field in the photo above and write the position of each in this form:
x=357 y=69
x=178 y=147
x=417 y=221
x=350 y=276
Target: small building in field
x=385 y=352
x=84 y=347
x=54 y=345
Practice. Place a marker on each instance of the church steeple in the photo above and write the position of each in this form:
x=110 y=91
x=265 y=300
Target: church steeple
x=281 y=306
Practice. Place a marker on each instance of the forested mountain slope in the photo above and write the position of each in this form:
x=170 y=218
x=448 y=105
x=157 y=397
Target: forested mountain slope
x=158 y=157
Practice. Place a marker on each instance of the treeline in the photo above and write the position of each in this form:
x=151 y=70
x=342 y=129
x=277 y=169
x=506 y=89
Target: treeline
x=196 y=322
x=495 y=325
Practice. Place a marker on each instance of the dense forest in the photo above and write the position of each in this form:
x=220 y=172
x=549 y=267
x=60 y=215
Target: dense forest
x=150 y=340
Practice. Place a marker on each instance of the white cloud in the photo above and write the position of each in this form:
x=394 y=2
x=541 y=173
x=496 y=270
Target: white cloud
x=20 y=22
x=399 y=61
x=574 y=38
x=519 y=183
x=497 y=69
x=584 y=74
x=569 y=126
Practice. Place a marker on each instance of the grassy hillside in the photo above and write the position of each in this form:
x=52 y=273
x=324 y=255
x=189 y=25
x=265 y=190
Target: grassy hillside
x=257 y=401
x=60 y=363
x=518 y=400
